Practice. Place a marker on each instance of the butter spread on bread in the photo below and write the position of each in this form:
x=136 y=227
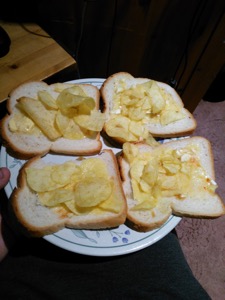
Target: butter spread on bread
x=83 y=193
x=60 y=118
x=138 y=107
x=173 y=178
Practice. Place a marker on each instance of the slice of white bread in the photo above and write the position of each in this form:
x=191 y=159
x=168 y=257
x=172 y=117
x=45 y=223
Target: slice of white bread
x=25 y=146
x=200 y=203
x=178 y=128
x=39 y=220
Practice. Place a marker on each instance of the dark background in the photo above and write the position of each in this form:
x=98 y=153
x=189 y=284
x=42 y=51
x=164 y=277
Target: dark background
x=174 y=41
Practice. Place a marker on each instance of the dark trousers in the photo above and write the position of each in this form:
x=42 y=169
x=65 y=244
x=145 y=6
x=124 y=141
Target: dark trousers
x=35 y=269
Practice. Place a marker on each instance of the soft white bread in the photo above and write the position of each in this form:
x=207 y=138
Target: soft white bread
x=40 y=220
x=198 y=202
x=181 y=127
x=25 y=145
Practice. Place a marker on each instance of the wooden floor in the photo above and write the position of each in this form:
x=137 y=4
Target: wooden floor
x=203 y=241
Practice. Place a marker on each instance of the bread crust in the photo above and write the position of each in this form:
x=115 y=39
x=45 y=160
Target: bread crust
x=25 y=146
x=38 y=220
x=179 y=128
x=211 y=206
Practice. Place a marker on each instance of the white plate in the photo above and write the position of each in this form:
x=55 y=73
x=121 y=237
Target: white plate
x=119 y=241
